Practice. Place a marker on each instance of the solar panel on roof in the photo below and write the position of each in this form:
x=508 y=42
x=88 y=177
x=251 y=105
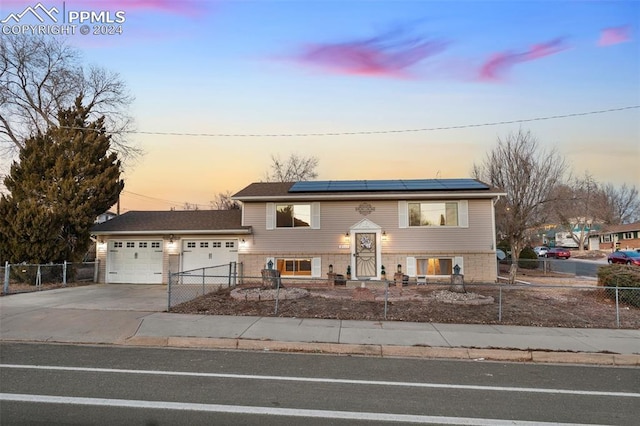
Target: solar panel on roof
x=387 y=185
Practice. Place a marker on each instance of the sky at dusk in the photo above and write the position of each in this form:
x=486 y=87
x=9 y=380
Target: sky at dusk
x=373 y=89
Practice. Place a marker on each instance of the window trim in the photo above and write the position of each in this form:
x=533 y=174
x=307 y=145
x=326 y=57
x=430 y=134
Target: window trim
x=316 y=265
x=463 y=214
x=271 y=217
x=412 y=264
x=293 y=217
x=296 y=262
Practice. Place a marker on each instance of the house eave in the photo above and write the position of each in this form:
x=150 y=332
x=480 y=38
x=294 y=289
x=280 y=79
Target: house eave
x=178 y=232
x=370 y=196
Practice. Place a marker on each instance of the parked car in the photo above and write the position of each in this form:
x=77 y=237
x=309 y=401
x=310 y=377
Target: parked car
x=541 y=251
x=628 y=257
x=558 y=253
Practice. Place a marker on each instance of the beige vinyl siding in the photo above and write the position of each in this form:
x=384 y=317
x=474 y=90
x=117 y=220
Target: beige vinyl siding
x=101 y=257
x=336 y=217
x=476 y=237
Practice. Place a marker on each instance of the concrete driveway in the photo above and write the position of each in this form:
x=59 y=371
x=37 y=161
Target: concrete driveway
x=97 y=313
x=99 y=297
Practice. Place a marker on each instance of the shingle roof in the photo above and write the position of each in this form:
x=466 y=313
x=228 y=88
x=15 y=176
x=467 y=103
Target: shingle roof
x=265 y=189
x=272 y=190
x=612 y=229
x=178 y=221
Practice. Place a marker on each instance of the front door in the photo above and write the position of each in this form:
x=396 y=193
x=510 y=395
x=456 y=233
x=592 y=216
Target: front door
x=366 y=255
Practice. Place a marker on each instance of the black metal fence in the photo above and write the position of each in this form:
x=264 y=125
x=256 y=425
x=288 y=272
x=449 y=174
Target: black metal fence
x=23 y=277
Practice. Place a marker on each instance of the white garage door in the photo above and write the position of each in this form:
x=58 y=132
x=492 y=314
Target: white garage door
x=206 y=253
x=135 y=262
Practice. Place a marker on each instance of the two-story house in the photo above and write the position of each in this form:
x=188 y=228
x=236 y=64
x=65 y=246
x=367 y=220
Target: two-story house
x=423 y=227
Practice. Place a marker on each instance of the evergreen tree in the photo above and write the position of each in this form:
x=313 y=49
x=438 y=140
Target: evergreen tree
x=63 y=180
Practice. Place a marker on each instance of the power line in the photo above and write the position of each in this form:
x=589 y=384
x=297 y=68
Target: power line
x=374 y=132
x=364 y=132
x=175 y=203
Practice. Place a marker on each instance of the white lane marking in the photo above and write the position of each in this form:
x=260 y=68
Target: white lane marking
x=269 y=411
x=323 y=380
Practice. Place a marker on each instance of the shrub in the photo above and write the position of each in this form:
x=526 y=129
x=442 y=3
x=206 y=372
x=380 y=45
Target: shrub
x=621 y=276
x=528 y=259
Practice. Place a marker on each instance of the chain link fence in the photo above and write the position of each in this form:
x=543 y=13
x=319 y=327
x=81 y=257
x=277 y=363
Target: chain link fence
x=188 y=285
x=552 y=267
x=565 y=302
x=570 y=306
x=23 y=277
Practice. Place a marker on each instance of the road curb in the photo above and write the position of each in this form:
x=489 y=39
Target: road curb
x=389 y=351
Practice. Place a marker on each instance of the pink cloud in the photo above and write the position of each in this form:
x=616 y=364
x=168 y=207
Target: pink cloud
x=500 y=63
x=384 y=56
x=614 y=35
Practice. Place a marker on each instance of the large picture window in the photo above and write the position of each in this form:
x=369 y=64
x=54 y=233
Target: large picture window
x=294 y=266
x=433 y=214
x=293 y=215
x=434 y=266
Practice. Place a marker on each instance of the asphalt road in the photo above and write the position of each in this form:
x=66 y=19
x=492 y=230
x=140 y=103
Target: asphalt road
x=582 y=268
x=96 y=385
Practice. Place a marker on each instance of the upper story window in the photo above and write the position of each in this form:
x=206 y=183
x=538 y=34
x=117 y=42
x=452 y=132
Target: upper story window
x=606 y=238
x=628 y=236
x=293 y=215
x=433 y=214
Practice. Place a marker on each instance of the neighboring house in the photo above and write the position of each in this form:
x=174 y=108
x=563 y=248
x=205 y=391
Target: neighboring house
x=141 y=247
x=613 y=237
x=103 y=217
x=425 y=226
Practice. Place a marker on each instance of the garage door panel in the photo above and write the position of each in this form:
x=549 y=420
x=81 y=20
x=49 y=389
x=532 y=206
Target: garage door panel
x=198 y=254
x=135 y=262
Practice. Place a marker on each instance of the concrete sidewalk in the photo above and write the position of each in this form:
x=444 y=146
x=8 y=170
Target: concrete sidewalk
x=133 y=315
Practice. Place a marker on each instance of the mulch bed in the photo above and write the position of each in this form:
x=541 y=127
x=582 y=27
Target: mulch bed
x=521 y=305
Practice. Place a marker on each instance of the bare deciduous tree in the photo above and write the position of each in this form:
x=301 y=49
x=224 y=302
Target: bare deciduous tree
x=40 y=76
x=190 y=206
x=296 y=168
x=579 y=205
x=223 y=201
x=528 y=175
x=623 y=204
